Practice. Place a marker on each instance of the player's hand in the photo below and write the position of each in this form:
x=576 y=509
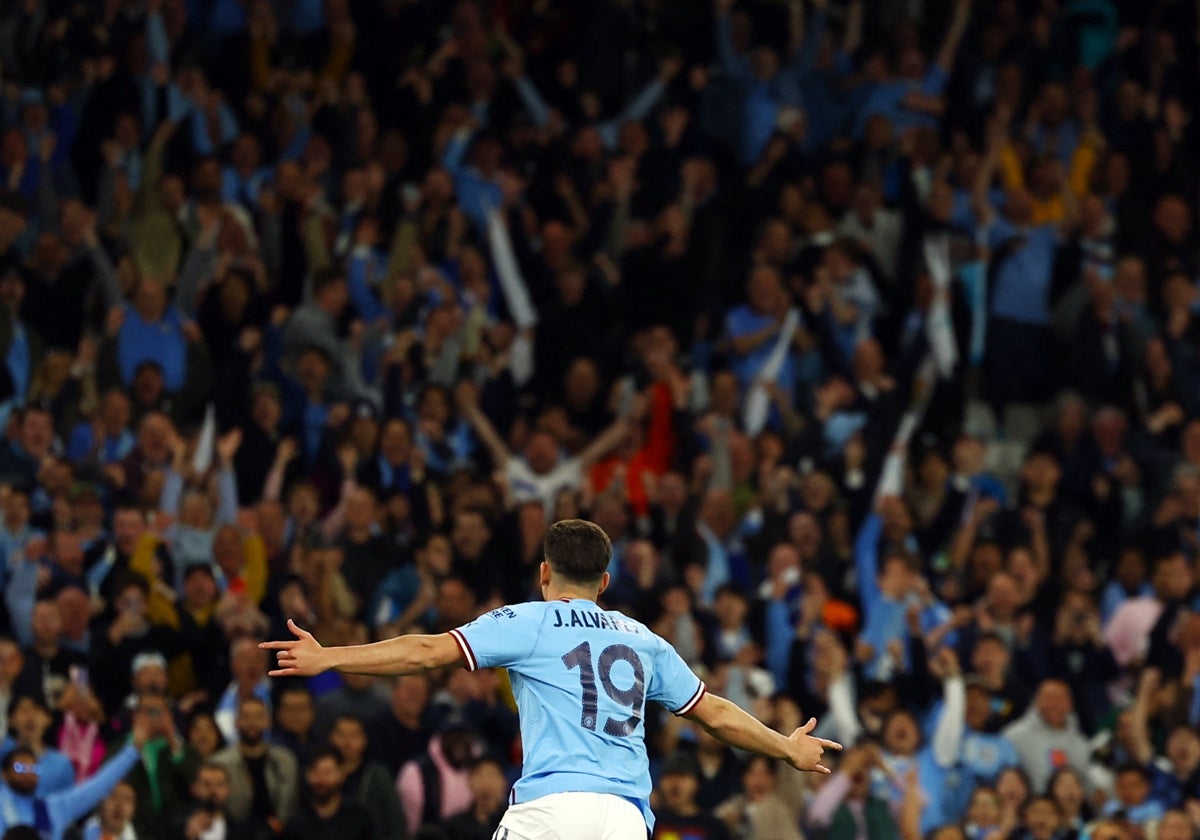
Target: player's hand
x=807 y=750
x=302 y=658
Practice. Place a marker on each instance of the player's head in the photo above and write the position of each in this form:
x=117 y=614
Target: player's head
x=577 y=556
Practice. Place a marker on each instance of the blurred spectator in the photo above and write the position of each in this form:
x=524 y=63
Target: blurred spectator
x=13 y=681
x=160 y=781
x=1047 y=737
x=327 y=813
x=489 y=791
x=360 y=697
x=47 y=662
x=249 y=667
x=758 y=811
x=204 y=736
x=114 y=817
x=400 y=734
x=679 y=813
x=264 y=780
x=59 y=810
x=206 y=815
x=29 y=721
x=846 y=807
x=436 y=784
x=294 y=717
x=367 y=783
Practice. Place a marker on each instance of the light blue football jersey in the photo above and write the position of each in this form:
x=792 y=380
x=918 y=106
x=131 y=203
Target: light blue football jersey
x=581 y=676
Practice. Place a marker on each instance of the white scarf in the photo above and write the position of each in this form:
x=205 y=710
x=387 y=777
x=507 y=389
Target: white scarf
x=758 y=402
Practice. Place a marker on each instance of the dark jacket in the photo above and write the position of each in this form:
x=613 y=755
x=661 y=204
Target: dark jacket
x=375 y=789
x=234 y=830
x=351 y=822
x=172 y=776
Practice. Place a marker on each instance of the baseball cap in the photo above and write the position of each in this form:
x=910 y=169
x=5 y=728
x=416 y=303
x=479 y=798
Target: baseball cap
x=147 y=659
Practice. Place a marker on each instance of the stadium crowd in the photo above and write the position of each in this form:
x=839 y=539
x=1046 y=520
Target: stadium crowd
x=869 y=331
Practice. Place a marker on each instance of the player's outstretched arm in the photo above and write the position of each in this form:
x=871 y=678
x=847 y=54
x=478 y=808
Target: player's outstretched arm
x=305 y=657
x=728 y=723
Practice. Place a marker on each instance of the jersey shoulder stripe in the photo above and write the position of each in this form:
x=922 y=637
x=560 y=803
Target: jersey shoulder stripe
x=692 y=703
x=465 y=647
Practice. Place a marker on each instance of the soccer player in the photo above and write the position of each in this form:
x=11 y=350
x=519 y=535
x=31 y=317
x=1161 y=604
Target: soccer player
x=581 y=676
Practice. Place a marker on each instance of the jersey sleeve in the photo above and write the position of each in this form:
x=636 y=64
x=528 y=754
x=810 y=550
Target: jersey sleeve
x=674 y=685
x=501 y=637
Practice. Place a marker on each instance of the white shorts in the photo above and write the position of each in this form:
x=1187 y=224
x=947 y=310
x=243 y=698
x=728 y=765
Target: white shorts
x=573 y=816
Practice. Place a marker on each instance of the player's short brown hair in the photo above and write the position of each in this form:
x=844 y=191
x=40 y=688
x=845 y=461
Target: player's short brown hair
x=577 y=550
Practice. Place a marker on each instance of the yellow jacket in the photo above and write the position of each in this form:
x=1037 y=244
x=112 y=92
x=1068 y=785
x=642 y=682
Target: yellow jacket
x=1052 y=209
x=160 y=609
